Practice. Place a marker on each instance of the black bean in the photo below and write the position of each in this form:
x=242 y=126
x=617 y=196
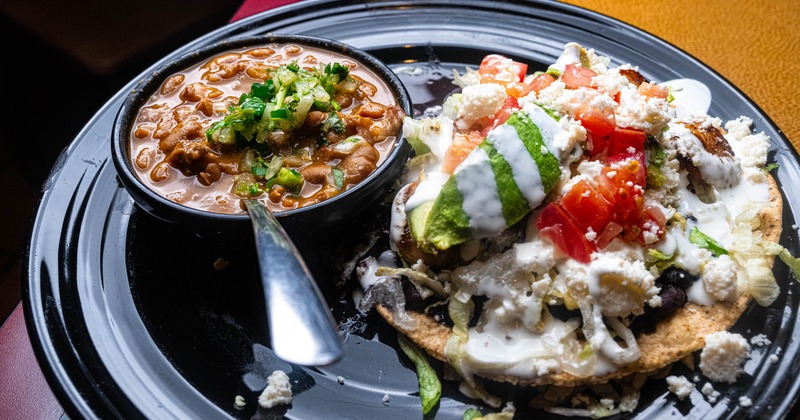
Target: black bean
x=677 y=277
x=672 y=299
x=413 y=298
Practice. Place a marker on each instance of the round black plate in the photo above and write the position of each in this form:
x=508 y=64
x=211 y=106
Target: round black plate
x=129 y=318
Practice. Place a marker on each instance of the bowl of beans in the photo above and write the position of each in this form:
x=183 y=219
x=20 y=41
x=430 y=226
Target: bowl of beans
x=310 y=127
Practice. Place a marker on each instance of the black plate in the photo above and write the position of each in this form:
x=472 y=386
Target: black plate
x=129 y=318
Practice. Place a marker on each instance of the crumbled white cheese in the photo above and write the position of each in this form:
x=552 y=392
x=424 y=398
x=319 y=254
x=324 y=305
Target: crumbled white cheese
x=611 y=82
x=680 y=386
x=621 y=283
x=340 y=379
x=479 y=101
x=708 y=391
x=719 y=278
x=745 y=401
x=507 y=71
x=773 y=358
x=760 y=340
x=278 y=390
x=722 y=357
x=636 y=111
x=751 y=149
x=386 y=399
x=239 y=402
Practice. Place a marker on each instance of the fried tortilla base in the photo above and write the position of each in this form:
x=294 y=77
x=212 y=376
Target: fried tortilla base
x=672 y=339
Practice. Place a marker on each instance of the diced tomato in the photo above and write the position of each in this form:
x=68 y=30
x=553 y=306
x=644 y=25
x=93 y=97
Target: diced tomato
x=587 y=207
x=653 y=221
x=651 y=90
x=617 y=186
x=491 y=66
x=612 y=230
x=555 y=223
x=595 y=145
x=538 y=83
x=575 y=76
x=598 y=122
x=510 y=105
x=512 y=88
x=461 y=146
x=623 y=139
x=631 y=164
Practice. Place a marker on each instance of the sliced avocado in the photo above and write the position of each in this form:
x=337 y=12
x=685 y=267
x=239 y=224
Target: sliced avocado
x=417 y=219
x=448 y=224
x=548 y=165
x=515 y=207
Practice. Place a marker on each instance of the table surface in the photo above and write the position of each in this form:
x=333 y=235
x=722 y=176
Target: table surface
x=753 y=44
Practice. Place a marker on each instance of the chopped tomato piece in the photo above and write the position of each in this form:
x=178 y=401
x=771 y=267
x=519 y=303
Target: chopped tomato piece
x=654 y=222
x=461 y=146
x=626 y=141
x=575 y=76
x=651 y=90
x=555 y=223
x=612 y=230
x=617 y=186
x=510 y=105
x=595 y=145
x=492 y=65
x=516 y=90
x=538 y=83
x=600 y=123
x=587 y=207
x=631 y=164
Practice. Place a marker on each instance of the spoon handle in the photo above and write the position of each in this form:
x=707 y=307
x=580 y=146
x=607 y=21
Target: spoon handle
x=301 y=326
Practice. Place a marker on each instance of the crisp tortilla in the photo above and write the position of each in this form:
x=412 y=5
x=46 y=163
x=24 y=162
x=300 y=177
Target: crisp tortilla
x=672 y=339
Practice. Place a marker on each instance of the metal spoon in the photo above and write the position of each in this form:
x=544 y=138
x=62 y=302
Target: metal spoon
x=300 y=324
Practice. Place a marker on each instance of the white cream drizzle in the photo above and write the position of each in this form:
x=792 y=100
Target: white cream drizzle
x=475 y=181
x=506 y=141
x=690 y=97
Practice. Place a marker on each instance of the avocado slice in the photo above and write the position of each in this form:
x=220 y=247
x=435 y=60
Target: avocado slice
x=417 y=219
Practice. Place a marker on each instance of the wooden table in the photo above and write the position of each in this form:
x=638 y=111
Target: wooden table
x=753 y=44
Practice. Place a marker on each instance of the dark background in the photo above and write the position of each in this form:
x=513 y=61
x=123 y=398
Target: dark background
x=61 y=60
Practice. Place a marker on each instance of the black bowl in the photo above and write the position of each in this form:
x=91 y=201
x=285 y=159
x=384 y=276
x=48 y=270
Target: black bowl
x=325 y=216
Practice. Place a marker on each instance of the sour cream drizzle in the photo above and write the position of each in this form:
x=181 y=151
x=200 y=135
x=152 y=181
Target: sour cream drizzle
x=475 y=181
x=690 y=97
x=553 y=135
x=506 y=141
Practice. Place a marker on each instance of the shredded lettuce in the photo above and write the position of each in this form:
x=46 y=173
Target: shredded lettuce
x=704 y=241
x=792 y=262
x=754 y=256
x=658 y=259
x=430 y=389
x=471 y=414
x=429 y=135
x=416 y=277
